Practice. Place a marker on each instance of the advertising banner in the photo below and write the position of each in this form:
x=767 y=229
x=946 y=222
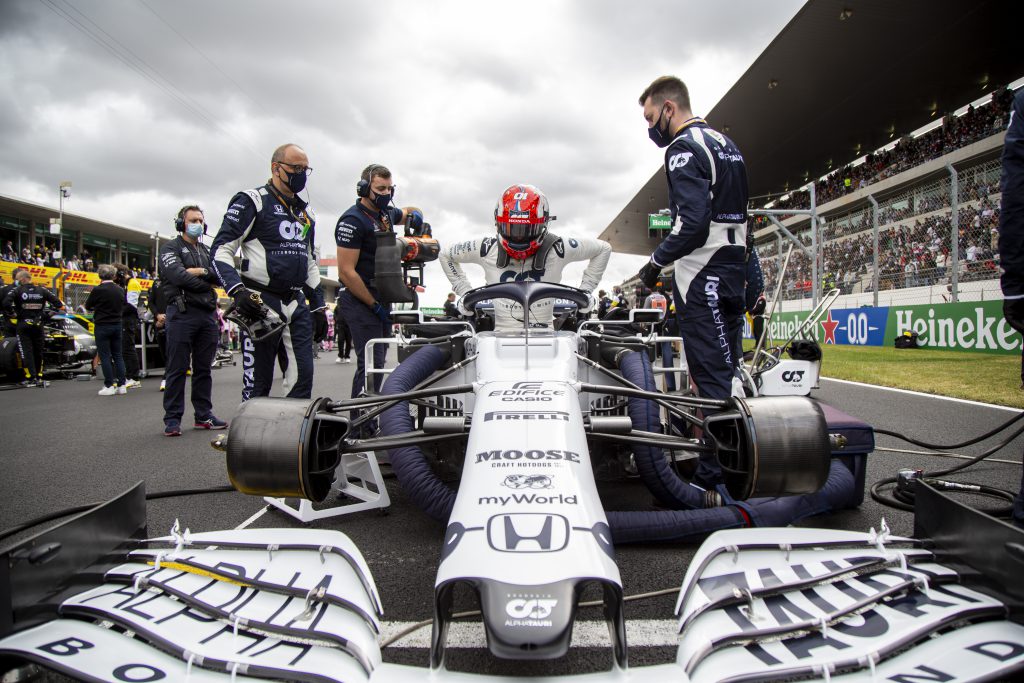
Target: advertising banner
x=976 y=326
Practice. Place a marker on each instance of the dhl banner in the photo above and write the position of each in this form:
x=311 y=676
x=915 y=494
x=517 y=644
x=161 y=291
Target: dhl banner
x=50 y=277
x=57 y=278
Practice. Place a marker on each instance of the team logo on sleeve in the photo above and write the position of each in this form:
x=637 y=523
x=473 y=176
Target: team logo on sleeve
x=679 y=160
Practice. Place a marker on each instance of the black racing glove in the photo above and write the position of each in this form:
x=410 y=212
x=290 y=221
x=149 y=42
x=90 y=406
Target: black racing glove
x=1013 y=311
x=249 y=303
x=649 y=274
x=759 y=306
x=319 y=325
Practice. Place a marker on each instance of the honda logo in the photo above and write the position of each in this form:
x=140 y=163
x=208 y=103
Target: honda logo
x=528 y=532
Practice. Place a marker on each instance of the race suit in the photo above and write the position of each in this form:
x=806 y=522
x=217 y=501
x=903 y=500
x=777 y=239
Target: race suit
x=29 y=304
x=279 y=260
x=707 y=184
x=488 y=253
x=1011 y=239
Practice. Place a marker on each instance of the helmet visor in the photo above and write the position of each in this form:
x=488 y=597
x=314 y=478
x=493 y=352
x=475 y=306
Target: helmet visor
x=519 y=229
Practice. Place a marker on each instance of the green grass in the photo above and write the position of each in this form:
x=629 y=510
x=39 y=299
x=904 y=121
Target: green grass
x=990 y=378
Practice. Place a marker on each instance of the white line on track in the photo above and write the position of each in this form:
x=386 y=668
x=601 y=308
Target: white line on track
x=920 y=393
x=639 y=633
x=259 y=513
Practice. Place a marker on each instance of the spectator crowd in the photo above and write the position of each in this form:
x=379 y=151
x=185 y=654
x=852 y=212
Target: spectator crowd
x=48 y=256
x=915 y=236
x=954 y=133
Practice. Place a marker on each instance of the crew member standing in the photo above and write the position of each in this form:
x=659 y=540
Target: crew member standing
x=1011 y=240
x=106 y=301
x=342 y=335
x=191 y=322
x=707 y=183
x=29 y=303
x=274 y=229
x=356 y=237
x=450 y=309
x=129 y=323
x=7 y=326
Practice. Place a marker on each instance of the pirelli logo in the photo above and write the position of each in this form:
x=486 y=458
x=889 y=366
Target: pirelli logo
x=535 y=415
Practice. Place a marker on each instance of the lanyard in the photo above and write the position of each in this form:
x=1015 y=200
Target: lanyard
x=383 y=219
x=305 y=216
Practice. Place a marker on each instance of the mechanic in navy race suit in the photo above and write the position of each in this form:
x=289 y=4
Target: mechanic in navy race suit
x=355 y=234
x=1011 y=240
x=274 y=228
x=525 y=250
x=707 y=184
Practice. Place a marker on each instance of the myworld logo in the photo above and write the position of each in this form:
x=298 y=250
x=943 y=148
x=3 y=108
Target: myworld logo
x=528 y=499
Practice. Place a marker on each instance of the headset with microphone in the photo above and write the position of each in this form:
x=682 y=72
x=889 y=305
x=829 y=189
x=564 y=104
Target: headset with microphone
x=363 y=186
x=179 y=221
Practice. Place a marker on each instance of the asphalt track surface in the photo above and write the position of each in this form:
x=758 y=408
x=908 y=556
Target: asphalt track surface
x=65 y=446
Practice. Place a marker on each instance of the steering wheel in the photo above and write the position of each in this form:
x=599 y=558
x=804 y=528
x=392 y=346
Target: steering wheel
x=526 y=293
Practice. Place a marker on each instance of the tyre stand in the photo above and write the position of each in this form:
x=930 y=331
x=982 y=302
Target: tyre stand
x=354 y=477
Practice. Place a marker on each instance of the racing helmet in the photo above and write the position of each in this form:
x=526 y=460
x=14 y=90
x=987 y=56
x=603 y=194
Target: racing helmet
x=521 y=217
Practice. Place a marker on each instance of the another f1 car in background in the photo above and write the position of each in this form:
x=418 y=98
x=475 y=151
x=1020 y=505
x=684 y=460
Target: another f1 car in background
x=67 y=346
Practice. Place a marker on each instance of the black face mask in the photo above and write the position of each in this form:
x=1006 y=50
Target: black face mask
x=661 y=139
x=381 y=200
x=296 y=181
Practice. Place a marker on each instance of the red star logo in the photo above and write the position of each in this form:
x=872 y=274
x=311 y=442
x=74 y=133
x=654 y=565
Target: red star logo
x=830 y=328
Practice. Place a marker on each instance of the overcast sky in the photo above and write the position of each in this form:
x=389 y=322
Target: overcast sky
x=179 y=102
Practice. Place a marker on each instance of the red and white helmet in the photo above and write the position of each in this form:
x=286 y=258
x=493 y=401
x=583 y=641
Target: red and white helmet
x=521 y=217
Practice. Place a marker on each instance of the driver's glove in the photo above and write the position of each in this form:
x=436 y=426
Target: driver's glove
x=591 y=302
x=463 y=309
x=249 y=303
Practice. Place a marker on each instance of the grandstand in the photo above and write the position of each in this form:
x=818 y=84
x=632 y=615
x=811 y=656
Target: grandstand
x=915 y=185
x=923 y=166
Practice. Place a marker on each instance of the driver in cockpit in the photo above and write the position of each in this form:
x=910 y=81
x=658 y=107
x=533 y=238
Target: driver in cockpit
x=524 y=250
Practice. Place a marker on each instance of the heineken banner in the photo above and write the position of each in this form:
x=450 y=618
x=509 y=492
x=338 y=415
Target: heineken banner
x=970 y=326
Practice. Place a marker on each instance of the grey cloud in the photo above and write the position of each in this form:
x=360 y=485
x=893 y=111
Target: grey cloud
x=446 y=93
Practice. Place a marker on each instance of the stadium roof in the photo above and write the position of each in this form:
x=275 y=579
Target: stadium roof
x=847 y=77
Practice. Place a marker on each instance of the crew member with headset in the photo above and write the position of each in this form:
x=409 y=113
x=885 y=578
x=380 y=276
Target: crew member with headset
x=274 y=228
x=29 y=302
x=356 y=236
x=7 y=326
x=192 y=334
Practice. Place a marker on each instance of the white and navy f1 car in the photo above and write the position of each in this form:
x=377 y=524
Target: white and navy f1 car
x=528 y=416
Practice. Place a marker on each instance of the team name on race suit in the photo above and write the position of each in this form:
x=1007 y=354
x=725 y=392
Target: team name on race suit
x=532 y=455
x=527 y=391
x=711 y=291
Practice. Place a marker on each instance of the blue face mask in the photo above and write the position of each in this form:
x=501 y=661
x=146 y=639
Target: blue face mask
x=195 y=230
x=661 y=139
